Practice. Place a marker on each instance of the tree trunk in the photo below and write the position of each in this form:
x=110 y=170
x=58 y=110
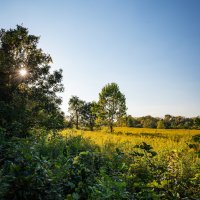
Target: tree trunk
x=76 y=120
x=111 y=124
x=111 y=128
x=91 y=125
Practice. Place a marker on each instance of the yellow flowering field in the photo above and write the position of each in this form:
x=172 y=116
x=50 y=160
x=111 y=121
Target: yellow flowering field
x=126 y=138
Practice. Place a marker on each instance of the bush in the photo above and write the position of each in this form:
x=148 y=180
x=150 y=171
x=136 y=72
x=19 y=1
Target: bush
x=49 y=166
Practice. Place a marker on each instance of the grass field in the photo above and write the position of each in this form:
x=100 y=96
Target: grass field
x=153 y=163
x=162 y=140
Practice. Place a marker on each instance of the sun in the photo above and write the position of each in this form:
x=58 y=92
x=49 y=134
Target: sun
x=23 y=72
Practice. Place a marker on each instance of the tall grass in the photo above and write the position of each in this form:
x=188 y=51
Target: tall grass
x=162 y=140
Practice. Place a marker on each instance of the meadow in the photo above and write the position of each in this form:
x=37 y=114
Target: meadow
x=162 y=140
x=129 y=163
x=145 y=163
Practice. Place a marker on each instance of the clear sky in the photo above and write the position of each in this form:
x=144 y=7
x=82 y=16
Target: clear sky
x=150 y=48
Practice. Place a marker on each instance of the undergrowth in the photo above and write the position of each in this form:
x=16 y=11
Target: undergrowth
x=47 y=166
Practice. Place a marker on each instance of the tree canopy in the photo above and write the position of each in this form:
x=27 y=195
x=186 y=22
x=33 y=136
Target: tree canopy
x=75 y=109
x=28 y=98
x=112 y=104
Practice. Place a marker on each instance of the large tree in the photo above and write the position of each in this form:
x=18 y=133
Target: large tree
x=112 y=104
x=28 y=90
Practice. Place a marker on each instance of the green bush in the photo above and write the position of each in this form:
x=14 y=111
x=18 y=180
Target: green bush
x=49 y=166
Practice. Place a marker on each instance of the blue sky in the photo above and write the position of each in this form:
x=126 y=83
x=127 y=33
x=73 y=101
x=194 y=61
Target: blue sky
x=150 y=48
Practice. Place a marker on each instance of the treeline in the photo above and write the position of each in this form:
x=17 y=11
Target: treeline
x=88 y=115
x=168 y=122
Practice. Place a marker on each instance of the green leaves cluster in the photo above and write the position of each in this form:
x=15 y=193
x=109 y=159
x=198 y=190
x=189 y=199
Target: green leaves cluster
x=82 y=113
x=110 y=108
x=46 y=167
x=31 y=100
x=168 y=122
x=112 y=104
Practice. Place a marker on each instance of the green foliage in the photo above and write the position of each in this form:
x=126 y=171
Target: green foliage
x=75 y=108
x=45 y=166
x=108 y=187
x=146 y=148
x=89 y=114
x=112 y=104
x=31 y=100
x=195 y=144
x=196 y=138
x=168 y=122
x=160 y=124
x=132 y=122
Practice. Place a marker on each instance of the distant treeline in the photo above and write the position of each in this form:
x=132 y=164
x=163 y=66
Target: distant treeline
x=110 y=110
x=168 y=122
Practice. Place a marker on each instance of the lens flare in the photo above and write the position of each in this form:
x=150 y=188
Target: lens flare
x=23 y=72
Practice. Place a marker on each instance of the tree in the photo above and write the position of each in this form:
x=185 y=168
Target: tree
x=28 y=90
x=112 y=104
x=75 y=109
x=160 y=124
x=168 y=121
x=89 y=114
x=133 y=122
x=149 y=122
x=196 y=122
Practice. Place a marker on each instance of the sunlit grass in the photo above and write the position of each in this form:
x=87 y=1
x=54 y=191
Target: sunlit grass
x=162 y=140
